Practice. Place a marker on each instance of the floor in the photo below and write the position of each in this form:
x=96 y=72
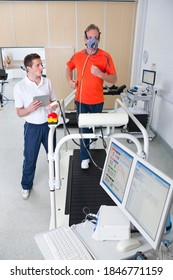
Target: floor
x=20 y=220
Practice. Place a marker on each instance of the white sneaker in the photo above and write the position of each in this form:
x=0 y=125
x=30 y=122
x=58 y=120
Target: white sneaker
x=25 y=193
x=93 y=145
x=85 y=163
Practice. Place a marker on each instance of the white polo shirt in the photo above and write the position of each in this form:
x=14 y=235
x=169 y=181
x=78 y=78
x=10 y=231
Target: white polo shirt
x=25 y=90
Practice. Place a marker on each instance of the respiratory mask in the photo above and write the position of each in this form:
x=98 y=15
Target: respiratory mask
x=92 y=43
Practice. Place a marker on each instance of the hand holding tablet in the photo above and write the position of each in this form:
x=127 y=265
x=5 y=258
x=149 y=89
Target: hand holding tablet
x=44 y=99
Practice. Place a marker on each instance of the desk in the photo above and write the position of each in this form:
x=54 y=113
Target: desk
x=106 y=250
x=101 y=250
x=139 y=96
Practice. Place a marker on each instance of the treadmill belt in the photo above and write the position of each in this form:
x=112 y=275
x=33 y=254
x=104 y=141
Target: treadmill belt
x=83 y=188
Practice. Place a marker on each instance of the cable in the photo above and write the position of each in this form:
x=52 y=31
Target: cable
x=62 y=114
x=67 y=130
x=89 y=216
x=89 y=154
x=86 y=147
x=81 y=81
x=103 y=140
x=80 y=111
x=80 y=94
x=135 y=230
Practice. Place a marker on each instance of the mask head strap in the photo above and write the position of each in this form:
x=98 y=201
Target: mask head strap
x=86 y=37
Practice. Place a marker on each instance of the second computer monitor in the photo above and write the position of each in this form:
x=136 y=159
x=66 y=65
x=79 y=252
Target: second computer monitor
x=149 y=198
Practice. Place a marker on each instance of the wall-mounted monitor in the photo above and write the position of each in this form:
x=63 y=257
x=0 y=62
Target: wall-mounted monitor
x=140 y=190
x=148 y=77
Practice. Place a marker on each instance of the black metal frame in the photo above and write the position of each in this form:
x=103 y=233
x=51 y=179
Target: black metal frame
x=3 y=78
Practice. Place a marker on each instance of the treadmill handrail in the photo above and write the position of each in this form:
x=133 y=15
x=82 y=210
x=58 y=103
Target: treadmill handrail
x=138 y=124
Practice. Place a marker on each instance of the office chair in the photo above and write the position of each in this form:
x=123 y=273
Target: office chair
x=3 y=78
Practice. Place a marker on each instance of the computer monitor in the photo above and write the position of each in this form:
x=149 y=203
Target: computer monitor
x=148 y=201
x=116 y=171
x=148 y=77
x=141 y=191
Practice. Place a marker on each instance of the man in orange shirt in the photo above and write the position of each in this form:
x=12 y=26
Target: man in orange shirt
x=94 y=66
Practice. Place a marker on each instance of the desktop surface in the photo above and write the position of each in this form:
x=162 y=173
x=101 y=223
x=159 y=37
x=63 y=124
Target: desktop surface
x=100 y=250
x=107 y=250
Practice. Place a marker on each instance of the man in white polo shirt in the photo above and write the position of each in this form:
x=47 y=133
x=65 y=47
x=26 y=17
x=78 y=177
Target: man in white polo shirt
x=35 y=114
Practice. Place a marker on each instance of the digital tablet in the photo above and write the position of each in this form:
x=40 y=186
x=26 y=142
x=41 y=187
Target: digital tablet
x=43 y=98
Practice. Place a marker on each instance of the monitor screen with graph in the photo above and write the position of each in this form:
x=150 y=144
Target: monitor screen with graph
x=141 y=191
x=116 y=171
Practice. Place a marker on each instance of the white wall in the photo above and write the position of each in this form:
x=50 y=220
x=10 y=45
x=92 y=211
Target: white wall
x=17 y=55
x=156 y=37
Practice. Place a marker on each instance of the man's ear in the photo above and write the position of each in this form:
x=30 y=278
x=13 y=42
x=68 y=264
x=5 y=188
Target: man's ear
x=27 y=69
x=85 y=41
x=85 y=35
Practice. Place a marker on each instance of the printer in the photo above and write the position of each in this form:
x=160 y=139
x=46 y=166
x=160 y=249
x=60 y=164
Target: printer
x=111 y=224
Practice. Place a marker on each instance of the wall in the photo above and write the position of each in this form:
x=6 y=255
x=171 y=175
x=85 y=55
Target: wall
x=156 y=37
x=59 y=28
x=15 y=57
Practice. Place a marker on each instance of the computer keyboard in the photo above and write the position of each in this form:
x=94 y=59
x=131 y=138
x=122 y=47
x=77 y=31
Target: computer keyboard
x=64 y=244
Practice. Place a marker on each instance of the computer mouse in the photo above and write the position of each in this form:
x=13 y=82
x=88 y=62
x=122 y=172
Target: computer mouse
x=143 y=94
x=128 y=244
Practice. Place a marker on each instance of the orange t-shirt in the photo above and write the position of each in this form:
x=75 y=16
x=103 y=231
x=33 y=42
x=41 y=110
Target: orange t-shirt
x=89 y=87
